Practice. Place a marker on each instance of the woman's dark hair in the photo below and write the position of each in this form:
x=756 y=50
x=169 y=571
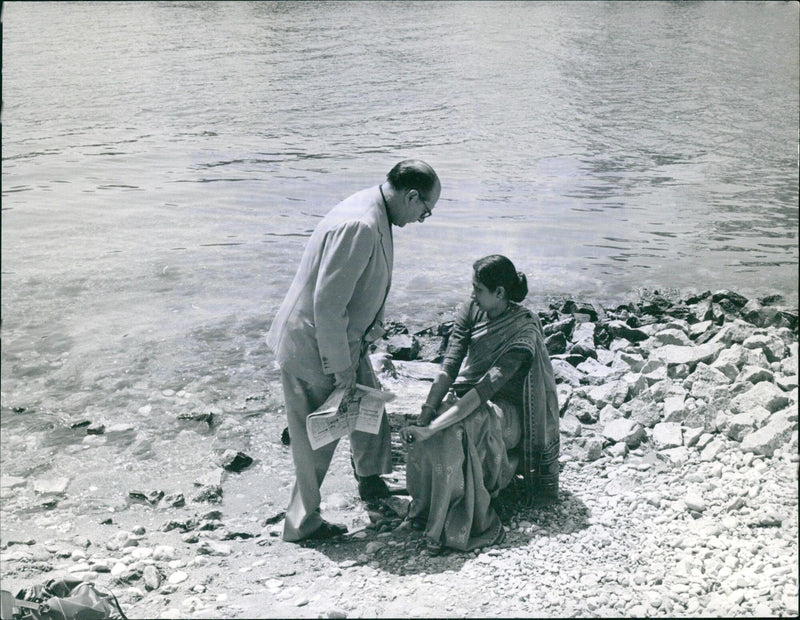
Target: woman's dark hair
x=496 y=270
x=412 y=174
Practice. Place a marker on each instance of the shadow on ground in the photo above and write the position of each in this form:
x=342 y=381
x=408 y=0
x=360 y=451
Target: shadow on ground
x=382 y=546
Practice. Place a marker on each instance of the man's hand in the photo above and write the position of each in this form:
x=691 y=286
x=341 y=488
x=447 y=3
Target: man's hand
x=410 y=434
x=346 y=379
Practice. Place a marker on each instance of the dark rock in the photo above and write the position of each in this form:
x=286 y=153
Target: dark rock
x=208 y=418
x=693 y=299
x=571 y=307
x=273 y=519
x=96 y=429
x=393 y=328
x=573 y=359
x=564 y=326
x=209 y=526
x=771 y=300
x=237 y=536
x=150 y=497
x=657 y=305
x=733 y=299
x=235 y=461
x=175 y=500
x=760 y=316
x=185 y=526
x=80 y=423
x=556 y=343
x=679 y=311
x=403 y=347
x=129 y=576
x=618 y=329
x=285 y=439
x=789 y=319
x=603 y=336
x=583 y=350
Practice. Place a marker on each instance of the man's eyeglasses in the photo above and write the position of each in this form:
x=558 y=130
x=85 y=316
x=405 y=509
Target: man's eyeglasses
x=427 y=212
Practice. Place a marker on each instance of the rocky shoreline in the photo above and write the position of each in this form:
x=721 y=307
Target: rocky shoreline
x=679 y=493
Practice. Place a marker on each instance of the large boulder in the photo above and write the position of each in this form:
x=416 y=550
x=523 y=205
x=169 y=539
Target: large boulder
x=556 y=343
x=403 y=347
x=772 y=435
x=563 y=326
x=620 y=329
x=675 y=408
x=612 y=393
x=583 y=333
x=737 y=426
x=582 y=409
x=570 y=426
x=667 y=435
x=755 y=374
x=644 y=410
x=595 y=372
x=672 y=336
x=624 y=430
x=763 y=394
x=673 y=354
x=771 y=345
x=566 y=373
x=734 y=332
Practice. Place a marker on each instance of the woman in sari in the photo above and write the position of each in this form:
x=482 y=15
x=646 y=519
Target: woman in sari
x=492 y=412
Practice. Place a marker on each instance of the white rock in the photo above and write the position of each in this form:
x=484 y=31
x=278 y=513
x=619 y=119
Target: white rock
x=570 y=426
x=624 y=429
x=667 y=435
x=676 y=455
x=178 y=577
x=762 y=394
x=754 y=374
x=51 y=486
x=674 y=408
x=773 y=435
x=694 y=501
x=772 y=346
x=164 y=553
x=672 y=336
x=118 y=569
x=674 y=354
x=712 y=450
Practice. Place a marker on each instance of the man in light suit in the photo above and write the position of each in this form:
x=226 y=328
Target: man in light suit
x=321 y=332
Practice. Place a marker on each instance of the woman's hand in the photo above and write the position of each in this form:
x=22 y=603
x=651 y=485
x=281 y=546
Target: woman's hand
x=425 y=415
x=410 y=434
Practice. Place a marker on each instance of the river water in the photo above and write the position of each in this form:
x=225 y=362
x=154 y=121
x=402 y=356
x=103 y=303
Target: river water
x=164 y=164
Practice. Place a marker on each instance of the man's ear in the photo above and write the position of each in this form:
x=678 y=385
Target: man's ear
x=411 y=194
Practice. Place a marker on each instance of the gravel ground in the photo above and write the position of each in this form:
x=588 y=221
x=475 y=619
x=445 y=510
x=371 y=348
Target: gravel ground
x=644 y=527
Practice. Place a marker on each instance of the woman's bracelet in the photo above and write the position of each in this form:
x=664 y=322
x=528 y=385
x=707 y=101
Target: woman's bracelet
x=427 y=406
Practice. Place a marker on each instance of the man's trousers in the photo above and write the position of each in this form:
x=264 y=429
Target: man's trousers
x=371 y=453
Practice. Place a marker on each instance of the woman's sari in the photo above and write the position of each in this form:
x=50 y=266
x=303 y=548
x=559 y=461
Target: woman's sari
x=453 y=475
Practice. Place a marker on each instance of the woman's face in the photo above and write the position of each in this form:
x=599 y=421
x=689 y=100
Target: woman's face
x=489 y=301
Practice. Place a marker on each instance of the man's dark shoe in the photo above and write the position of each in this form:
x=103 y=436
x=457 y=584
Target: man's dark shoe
x=326 y=531
x=371 y=488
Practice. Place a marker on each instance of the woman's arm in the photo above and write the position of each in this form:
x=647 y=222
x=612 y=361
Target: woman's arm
x=436 y=394
x=495 y=378
x=463 y=408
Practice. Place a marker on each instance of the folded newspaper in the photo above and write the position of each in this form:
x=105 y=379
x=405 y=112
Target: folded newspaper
x=345 y=411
